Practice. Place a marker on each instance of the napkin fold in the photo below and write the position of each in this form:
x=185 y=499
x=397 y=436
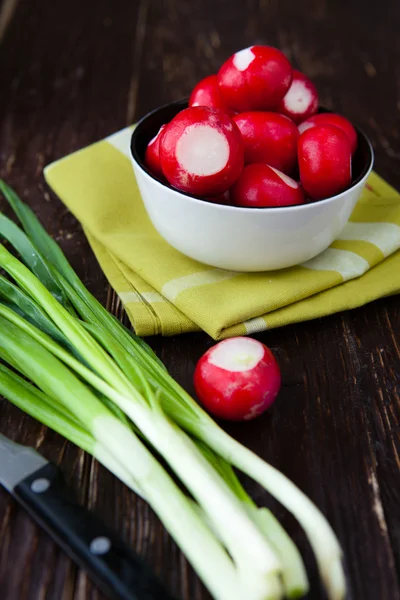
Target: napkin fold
x=167 y=293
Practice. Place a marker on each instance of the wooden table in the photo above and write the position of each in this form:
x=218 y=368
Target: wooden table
x=73 y=72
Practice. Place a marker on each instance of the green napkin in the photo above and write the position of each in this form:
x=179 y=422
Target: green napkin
x=164 y=292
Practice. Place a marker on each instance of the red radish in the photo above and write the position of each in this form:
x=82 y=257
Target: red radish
x=206 y=93
x=324 y=161
x=152 y=155
x=201 y=151
x=220 y=199
x=332 y=119
x=301 y=101
x=255 y=78
x=261 y=185
x=237 y=379
x=268 y=138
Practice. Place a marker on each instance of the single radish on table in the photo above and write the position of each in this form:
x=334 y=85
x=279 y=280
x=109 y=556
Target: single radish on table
x=268 y=138
x=206 y=93
x=237 y=379
x=152 y=155
x=332 y=119
x=324 y=161
x=261 y=185
x=201 y=151
x=301 y=101
x=255 y=78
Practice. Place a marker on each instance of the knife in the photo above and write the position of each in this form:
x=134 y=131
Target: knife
x=39 y=487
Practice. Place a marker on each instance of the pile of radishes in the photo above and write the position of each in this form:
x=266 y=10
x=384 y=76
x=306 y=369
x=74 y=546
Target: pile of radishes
x=252 y=137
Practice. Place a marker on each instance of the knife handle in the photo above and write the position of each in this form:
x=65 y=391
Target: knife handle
x=115 y=568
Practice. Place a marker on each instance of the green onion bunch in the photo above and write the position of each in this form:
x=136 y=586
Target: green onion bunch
x=73 y=366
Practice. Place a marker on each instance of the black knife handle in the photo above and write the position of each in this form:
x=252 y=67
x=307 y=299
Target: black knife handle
x=115 y=568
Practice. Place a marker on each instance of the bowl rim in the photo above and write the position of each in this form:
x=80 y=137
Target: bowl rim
x=244 y=209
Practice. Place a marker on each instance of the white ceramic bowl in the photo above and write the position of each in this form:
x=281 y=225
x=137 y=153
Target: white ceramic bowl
x=242 y=239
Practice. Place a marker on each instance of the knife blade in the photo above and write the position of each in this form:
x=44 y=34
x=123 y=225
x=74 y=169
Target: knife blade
x=39 y=487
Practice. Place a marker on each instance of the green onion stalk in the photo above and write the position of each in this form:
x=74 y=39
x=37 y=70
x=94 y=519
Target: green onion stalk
x=107 y=431
x=54 y=415
x=245 y=542
x=123 y=395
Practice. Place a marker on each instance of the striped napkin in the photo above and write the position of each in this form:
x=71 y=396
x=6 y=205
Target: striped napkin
x=167 y=293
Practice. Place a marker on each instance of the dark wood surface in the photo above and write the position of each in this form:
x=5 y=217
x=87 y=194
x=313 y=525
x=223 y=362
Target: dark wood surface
x=73 y=72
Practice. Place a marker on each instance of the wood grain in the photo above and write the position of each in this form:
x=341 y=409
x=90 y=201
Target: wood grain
x=71 y=73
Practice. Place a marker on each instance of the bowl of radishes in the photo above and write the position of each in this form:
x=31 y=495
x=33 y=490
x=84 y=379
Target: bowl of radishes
x=250 y=173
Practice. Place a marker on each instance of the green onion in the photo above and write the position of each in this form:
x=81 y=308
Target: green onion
x=52 y=414
x=48 y=411
x=58 y=382
x=48 y=251
x=246 y=544
x=129 y=393
x=294 y=575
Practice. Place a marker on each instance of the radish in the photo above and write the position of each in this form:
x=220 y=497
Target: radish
x=152 y=155
x=261 y=185
x=301 y=101
x=255 y=78
x=237 y=379
x=220 y=199
x=201 y=151
x=332 y=119
x=268 y=138
x=206 y=93
x=324 y=161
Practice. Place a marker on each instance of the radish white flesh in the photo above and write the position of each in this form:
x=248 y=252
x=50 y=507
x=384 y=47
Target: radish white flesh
x=301 y=101
x=298 y=98
x=242 y=59
x=241 y=354
x=201 y=151
x=238 y=379
x=286 y=179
